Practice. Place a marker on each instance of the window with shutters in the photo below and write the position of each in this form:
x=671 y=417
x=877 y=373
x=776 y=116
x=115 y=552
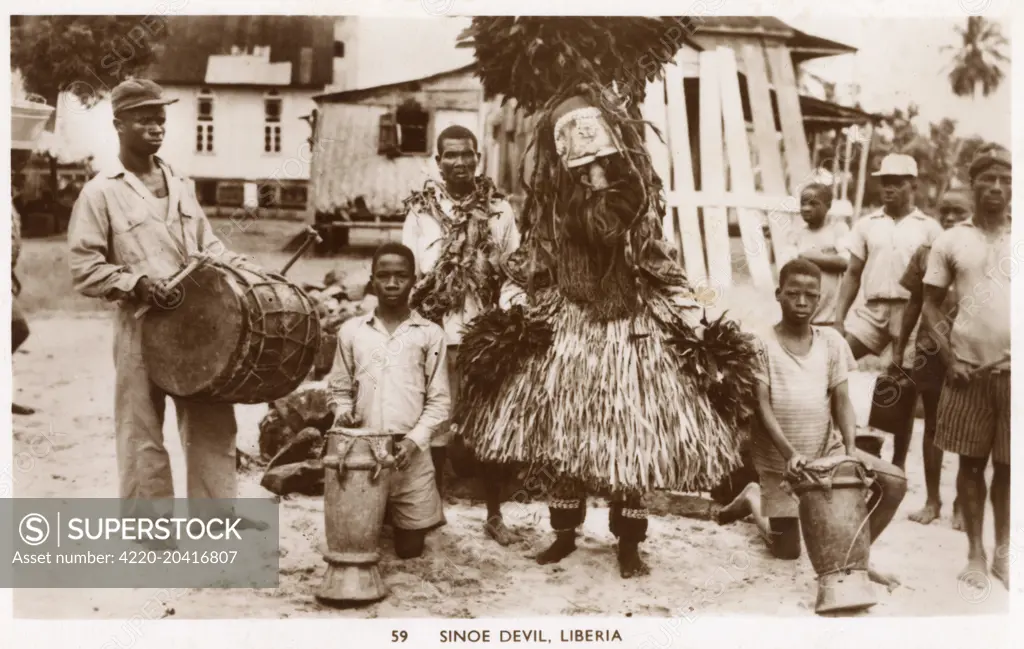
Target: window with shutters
x=406 y=131
x=272 y=123
x=293 y=196
x=204 y=122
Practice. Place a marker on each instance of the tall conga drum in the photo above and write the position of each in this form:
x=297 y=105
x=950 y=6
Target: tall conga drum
x=357 y=476
x=834 y=518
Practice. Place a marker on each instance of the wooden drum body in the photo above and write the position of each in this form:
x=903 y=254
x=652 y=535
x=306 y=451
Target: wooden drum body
x=357 y=479
x=833 y=493
x=237 y=337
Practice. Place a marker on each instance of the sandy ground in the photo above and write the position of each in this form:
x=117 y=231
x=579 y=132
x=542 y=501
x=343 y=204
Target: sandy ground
x=65 y=370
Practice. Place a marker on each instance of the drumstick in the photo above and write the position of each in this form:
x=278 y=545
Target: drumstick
x=312 y=236
x=176 y=279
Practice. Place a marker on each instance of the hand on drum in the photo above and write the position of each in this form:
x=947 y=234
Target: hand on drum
x=156 y=293
x=404 y=452
x=796 y=464
x=347 y=419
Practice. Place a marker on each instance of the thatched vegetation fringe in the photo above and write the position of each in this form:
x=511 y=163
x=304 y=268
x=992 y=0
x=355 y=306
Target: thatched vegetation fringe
x=532 y=58
x=624 y=406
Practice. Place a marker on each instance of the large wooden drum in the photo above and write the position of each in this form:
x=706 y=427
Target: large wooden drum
x=834 y=517
x=357 y=479
x=236 y=337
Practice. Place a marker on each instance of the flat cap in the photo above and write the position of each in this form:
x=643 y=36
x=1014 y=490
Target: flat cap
x=136 y=93
x=989 y=157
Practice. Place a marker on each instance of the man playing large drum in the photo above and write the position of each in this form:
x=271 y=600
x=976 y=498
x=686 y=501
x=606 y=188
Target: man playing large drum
x=133 y=226
x=803 y=398
x=390 y=374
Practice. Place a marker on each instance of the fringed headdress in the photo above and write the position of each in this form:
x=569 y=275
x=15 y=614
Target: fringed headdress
x=584 y=79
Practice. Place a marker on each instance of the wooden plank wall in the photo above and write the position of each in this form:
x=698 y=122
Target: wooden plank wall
x=773 y=175
x=727 y=179
x=712 y=170
x=741 y=174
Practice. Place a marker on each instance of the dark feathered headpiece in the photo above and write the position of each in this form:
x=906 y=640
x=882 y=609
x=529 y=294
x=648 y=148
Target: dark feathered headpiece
x=534 y=58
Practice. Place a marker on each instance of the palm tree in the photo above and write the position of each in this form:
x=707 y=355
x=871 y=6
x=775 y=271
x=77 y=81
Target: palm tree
x=977 y=62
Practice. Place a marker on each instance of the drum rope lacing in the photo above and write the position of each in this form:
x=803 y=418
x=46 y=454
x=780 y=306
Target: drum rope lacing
x=255 y=327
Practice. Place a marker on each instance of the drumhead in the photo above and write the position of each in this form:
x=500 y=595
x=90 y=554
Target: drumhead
x=187 y=349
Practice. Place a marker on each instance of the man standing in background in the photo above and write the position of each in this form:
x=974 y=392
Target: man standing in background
x=461 y=231
x=881 y=245
x=928 y=370
x=975 y=260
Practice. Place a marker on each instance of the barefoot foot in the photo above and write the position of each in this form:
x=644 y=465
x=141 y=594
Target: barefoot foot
x=1001 y=568
x=926 y=514
x=739 y=508
x=890 y=581
x=630 y=563
x=958 y=516
x=495 y=528
x=564 y=545
x=975 y=575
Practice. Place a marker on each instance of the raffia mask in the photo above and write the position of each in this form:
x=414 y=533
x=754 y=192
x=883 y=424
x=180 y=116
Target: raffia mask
x=582 y=136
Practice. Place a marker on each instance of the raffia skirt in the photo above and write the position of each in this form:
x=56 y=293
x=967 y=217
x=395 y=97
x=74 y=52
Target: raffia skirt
x=624 y=406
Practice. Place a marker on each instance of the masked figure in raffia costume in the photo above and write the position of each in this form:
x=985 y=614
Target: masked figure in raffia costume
x=600 y=373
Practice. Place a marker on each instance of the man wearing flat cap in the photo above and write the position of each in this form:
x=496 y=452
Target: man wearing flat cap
x=975 y=259
x=133 y=226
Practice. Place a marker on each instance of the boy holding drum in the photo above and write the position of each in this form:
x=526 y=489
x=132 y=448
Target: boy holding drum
x=803 y=398
x=390 y=373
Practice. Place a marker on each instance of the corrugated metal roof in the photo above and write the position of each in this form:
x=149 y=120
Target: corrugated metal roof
x=191 y=40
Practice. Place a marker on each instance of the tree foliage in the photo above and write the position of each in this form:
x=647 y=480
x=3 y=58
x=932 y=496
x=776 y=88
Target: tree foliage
x=942 y=155
x=84 y=55
x=977 y=63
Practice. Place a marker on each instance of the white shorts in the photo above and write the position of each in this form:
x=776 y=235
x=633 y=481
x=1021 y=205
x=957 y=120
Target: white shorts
x=877 y=324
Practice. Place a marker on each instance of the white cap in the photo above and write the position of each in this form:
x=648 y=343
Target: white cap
x=897 y=164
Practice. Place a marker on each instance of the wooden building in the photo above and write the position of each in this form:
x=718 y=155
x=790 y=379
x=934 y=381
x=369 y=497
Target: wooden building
x=737 y=142
x=737 y=145
x=376 y=145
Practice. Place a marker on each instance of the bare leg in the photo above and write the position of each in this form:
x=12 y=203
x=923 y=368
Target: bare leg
x=1001 y=513
x=748 y=503
x=857 y=347
x=494 y=526
x=932 y=455
x=890 y=489
x=971 y=490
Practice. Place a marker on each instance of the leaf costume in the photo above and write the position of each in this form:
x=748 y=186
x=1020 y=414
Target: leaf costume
x=600 y=378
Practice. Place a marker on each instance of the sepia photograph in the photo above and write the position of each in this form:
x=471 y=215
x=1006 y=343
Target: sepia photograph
x=509 y=316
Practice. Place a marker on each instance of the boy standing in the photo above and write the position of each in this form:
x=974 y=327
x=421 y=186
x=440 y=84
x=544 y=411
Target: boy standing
x=803 y=398
x=928 y=371
x=824 y=245
x=974 y=259
x=390 y=373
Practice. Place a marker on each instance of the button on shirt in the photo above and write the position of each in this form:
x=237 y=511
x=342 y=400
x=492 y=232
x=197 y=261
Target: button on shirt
x=394 y=382
x=119 y=231
x=424 y=234
x=886 y=245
